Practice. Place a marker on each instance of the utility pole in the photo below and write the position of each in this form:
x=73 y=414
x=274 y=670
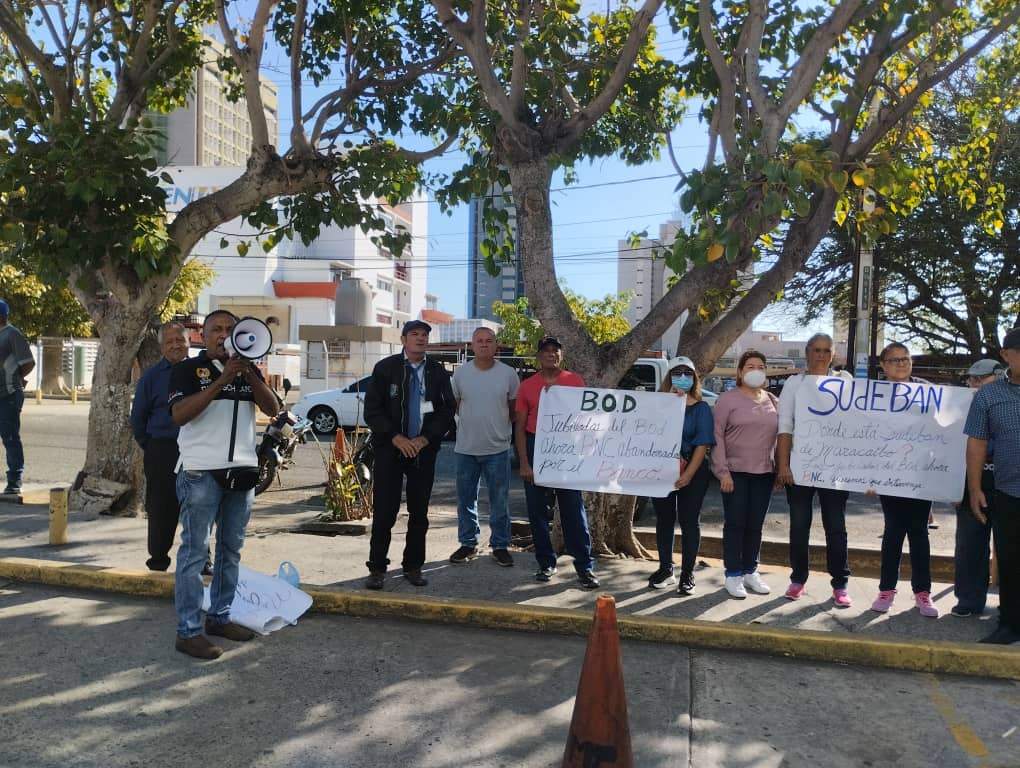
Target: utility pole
x=859 y=337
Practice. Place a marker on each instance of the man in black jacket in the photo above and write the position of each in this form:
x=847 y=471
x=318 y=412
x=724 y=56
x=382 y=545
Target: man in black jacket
x=409 y=407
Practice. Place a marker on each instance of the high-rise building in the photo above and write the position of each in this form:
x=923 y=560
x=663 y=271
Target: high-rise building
x=210 y=129
x=483 y=288
x=643 y=271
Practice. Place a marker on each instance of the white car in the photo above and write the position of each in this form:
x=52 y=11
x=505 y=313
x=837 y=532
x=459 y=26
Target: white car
x=333 y=408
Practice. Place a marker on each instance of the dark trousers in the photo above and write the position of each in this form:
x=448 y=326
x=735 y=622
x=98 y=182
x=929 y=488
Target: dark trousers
x=573 y=520
x=161 y=505
x=800 y=499
x=387 y=486
x=744 y=513
x=905 y=518
x=10 y=434
x=970 y=557
x=1005 y=514
x=682 y=506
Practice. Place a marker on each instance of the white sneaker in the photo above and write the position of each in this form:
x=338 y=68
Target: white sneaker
x=754 y=583
x=735 y=586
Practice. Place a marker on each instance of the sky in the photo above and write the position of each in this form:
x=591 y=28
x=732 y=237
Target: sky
x=608 y=201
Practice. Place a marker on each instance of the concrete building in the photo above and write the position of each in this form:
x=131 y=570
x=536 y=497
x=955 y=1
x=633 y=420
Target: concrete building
x=294 y=285
x=643 y=271
x=483 y=288
x=210 y=130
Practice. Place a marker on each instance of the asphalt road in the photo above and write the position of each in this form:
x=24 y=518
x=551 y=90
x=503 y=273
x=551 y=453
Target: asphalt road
x=91 y=680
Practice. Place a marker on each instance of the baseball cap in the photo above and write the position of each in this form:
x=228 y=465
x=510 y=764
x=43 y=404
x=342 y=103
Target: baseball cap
x=681 y=362
x=1012 y=339
x=4 y=309
x=545 y=341
x=986 y=367
x=411 y=325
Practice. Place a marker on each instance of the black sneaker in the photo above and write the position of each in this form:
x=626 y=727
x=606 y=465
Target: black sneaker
x=415 y=578
x=662 y=578
x=12 y=490
x=1002 y=636
x=464 y=555
x=686 y=584
x=502 y=557
x=375 y=580
x=588 y=580
x=545 y=574
x=962 y=611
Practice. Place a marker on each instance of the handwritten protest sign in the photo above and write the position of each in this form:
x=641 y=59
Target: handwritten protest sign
x=264 y=603
x=897 y=439
x=608 y=440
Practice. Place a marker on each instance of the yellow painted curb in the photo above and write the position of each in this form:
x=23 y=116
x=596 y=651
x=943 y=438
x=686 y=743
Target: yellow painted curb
x=833 y=647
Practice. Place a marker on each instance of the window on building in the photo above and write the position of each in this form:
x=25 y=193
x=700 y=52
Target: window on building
x=384 y=285
x=339 y=349
x=383 y=319
x=339 y=273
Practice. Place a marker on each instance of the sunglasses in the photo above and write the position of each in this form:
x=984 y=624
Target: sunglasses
x=681 y=371
x=897 y=360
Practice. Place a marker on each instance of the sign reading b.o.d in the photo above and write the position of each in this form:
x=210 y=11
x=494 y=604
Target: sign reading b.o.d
x=607 y=440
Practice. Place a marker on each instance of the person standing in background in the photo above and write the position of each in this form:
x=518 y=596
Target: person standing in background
x=573 y=518
x=746 y=424
x=800 y=498
x=156 y=434
x=683 y=505
x=995 y=416
x=409 y=407
x=16 y=362
x=973 y=536
x=485 y=390
x=904 y=517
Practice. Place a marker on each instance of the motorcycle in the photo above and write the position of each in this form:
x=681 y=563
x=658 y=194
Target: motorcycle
x=276 y=451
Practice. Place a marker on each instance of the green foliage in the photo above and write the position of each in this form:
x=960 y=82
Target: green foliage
x=193 y=277
x=39 y=309
x=602 y=318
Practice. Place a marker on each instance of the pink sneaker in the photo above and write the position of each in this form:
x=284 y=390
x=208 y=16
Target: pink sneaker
x=925 y=606
x=794 y=591
x=841 y=598
x=884 y=600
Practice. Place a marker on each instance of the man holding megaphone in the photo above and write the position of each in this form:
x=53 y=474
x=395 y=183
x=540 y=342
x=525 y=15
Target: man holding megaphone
x=213 y=397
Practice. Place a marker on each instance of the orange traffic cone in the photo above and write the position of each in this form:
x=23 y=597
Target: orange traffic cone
x=340 y=446
x=599 y=729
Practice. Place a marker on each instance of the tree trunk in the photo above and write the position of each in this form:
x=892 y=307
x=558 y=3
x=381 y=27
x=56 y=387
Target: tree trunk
x=112 y=455
x=611 y=517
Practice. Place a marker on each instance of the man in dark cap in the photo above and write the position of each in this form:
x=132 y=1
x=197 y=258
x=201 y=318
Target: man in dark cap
x=573 y=519
x=16 y=362
x=409 y=407
x=973 y=536
x=994 y=417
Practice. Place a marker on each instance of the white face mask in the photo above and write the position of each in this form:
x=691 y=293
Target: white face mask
x=754 y=378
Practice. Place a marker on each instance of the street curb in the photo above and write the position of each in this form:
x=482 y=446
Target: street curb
x=832 y=647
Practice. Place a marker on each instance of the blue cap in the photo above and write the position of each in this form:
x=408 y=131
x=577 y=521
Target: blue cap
x=4 y=309
x=410 y=325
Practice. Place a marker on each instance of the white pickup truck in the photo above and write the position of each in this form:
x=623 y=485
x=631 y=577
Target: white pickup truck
x=647 y=375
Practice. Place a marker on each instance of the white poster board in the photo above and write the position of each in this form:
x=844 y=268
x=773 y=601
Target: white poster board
x=264 y=603
x=896 y=439
x=608 y=440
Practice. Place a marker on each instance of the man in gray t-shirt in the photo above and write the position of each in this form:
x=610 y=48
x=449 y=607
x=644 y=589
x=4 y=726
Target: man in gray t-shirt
x=16 y=362
x=485 y=390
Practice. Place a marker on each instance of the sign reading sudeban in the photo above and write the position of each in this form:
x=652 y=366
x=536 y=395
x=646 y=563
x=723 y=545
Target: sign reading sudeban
x=608 y=440
x=893 y=438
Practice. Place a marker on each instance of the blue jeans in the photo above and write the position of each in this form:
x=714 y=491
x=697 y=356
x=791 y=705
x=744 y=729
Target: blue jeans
x=10 y=433
x=833 y=503
x=495 y=468
x=573 y=519
x=905 y=518
x=744 y=513
x=204 y=502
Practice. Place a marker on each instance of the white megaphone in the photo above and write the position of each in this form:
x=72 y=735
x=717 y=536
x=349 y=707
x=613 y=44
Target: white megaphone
x=251 y=339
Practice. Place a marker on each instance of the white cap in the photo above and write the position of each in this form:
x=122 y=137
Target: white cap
x=678 y=362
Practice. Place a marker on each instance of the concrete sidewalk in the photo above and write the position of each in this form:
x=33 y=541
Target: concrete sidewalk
x=109 y=553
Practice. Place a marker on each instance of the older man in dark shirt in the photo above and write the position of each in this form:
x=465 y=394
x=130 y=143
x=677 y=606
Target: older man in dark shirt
x=156 y=434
